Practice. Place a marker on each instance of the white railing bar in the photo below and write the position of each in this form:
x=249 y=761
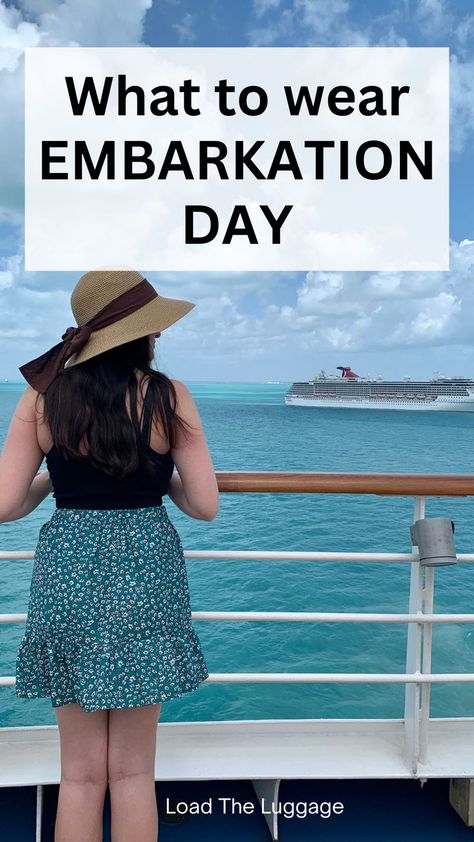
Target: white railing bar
x=277 y=555
x=297 y=555
x=282 y=555
x=271 y=555
x=352 y=678
x=331 y=617
x=306 y=617
x=267 y=555
x=321 y=677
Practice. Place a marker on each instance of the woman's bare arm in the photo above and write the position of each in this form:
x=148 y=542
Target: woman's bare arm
x=20 y=489
x=38 y=490
x=193 y=487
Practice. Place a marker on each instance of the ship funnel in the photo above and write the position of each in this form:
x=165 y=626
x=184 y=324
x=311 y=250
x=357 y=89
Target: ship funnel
x=434 y=538
x=347 y=371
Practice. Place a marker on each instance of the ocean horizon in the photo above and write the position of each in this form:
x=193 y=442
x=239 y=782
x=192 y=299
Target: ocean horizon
x=21 y=384
x=249 y=428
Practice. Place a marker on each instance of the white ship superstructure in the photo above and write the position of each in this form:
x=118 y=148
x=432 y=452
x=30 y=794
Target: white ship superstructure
x=353 y=392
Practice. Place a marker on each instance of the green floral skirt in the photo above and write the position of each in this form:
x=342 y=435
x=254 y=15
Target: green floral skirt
x=109 y=615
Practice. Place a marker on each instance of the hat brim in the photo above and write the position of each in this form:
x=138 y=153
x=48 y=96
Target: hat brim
x=153 y=317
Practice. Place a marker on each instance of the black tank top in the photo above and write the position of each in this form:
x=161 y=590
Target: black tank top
x=78 y=485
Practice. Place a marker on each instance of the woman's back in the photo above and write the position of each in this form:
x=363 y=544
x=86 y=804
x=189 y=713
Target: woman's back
x=192 y=487
x=158 y=440
x=79 y=485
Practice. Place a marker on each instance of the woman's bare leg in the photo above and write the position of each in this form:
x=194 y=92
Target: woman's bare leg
x=83 y=740
x=131 y=773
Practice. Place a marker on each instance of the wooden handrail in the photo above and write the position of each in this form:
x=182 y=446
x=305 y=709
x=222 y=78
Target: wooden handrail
x=296 y=482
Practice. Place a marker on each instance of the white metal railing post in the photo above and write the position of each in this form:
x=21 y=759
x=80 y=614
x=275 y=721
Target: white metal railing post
x=413 y=654
x=428 y=601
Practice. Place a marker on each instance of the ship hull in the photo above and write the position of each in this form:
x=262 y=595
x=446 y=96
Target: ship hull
x=438 y=405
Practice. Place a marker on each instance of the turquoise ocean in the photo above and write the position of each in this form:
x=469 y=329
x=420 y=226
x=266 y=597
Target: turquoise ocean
x=249 y=428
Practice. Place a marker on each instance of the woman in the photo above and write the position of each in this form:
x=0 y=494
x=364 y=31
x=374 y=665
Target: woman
x=109 y=635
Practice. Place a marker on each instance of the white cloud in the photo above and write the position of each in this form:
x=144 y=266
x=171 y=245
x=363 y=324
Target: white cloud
x=462 y=259
x=320 y=15
x=45 y=23
x=337 y=338
x=334 y=23
x=110 y=23
x=462 y=102
x=432 y=323
x=312 y=23
x=186 y=29
x=438 y=20
x=299 y=317
x=384 y=310
x=383 y=286
x=42 y=23
x=261 y=7
x=465 y=29
x=433 y=17
x=37 y=7
x=6 y=279
x=10 y=270
x=15 y=35
x=18 y=333
x=325 y=313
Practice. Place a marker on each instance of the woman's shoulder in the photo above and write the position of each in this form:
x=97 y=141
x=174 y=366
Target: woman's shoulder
x=181 y=388
x=185 y=405
x=185 y=400
x=30 y=405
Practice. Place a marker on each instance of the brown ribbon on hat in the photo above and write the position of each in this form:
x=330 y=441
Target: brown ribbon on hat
x=41 y=371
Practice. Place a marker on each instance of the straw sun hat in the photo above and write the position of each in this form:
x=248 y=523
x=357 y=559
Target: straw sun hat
x=95 y=290
x=111 y=307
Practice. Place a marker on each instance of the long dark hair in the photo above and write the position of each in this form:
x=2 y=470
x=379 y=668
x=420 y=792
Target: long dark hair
x=85 y=404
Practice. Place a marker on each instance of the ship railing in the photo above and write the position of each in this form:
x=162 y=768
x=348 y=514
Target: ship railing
x=267 y=750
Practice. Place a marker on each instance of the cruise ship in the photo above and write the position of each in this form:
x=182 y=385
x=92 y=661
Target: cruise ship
x=351 y=391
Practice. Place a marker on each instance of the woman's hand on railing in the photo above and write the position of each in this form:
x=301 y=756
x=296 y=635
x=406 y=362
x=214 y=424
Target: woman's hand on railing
x=46 y=479
x=177 y=494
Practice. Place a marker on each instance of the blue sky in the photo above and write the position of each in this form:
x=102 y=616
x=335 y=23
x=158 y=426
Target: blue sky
x=256 y=326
